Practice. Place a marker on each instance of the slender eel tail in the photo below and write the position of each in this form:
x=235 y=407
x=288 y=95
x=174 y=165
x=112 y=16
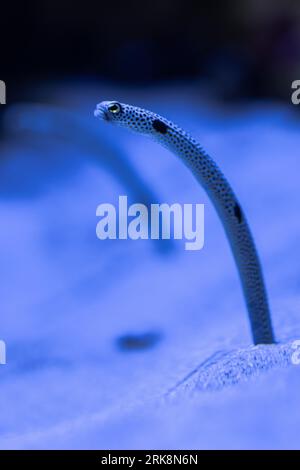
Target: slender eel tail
x=241 y=242
x=238 y=234
x=252 y=280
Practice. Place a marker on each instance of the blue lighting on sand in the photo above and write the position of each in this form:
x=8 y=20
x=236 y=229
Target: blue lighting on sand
x=98 y=333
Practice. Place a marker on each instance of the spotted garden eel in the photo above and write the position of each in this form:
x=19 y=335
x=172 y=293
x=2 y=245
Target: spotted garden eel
x=220 y=192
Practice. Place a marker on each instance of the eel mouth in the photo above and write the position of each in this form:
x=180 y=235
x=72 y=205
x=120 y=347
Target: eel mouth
x=100 y=112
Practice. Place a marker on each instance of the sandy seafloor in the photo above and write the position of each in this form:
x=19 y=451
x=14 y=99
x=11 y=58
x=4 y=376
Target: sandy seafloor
x=141 y=344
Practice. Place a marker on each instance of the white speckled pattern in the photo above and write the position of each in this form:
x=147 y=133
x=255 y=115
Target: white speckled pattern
x=222 y=196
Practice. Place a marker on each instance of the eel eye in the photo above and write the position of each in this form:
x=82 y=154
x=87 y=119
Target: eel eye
x=114 y=108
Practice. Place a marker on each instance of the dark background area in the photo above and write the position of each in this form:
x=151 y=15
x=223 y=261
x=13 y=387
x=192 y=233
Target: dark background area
x=246 y=48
